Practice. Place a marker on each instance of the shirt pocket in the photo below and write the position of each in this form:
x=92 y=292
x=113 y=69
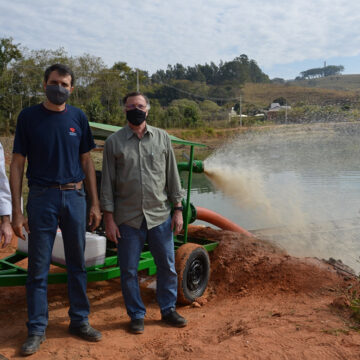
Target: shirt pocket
x=158 y=161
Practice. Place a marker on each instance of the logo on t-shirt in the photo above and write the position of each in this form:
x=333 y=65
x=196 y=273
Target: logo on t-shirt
x=72 y=132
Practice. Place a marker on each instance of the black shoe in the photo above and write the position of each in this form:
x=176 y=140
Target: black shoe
x=86 y=332
x=32 y=344
x=137 y=326
x=174 y=319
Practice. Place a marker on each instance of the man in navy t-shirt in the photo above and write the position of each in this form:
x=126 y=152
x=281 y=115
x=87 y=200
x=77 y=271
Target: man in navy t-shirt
x=56 y=140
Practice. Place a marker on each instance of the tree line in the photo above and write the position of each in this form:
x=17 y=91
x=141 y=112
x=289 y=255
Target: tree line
x=321 y=72
x=180 y=96
x=239 y=70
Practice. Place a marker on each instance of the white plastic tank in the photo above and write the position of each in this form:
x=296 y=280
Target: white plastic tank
x=95 y=248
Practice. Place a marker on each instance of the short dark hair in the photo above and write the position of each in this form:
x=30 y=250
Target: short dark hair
x=62 y=69
x=137 y=93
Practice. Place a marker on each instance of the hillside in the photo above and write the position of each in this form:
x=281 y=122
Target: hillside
x=336 y=82
x=264 y=94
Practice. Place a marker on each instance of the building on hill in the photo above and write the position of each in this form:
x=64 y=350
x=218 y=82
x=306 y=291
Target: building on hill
x=234 y=114
x=272 y=113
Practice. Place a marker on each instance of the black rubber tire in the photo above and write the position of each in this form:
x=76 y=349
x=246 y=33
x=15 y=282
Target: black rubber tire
x=193 y=268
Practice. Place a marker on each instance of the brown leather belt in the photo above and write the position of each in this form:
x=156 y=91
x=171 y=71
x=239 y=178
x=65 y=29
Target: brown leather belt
x=68 y=186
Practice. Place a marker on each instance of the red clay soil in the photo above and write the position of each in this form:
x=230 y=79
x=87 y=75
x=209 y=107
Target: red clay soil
x=260 y=304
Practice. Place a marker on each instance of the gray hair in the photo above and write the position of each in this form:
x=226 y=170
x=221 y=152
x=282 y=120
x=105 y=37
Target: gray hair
x=137 y=93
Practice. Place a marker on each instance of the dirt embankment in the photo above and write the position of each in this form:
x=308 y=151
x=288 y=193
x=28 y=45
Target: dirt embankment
x=260 y=304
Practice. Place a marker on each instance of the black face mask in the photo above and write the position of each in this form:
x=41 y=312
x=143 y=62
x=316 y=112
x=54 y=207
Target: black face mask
x=136 y=116
x=57 y=94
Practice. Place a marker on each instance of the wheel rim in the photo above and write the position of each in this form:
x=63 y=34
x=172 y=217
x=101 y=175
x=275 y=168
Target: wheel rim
x=196 y=275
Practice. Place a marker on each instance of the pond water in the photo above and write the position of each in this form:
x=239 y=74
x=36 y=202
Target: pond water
x=298 y=186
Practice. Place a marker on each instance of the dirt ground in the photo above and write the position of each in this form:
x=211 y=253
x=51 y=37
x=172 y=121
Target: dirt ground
x=260 y=304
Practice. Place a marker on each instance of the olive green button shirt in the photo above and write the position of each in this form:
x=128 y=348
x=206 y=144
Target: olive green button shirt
x=139 y=177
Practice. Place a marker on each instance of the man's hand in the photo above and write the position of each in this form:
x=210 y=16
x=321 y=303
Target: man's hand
x=18 y=222
x=94 y=217
x=111 y=229
x=177 y=222
x=90 y=185
x=5 y=231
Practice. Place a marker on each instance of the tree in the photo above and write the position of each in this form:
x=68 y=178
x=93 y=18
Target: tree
x=156 y=114
x=237 y=71
x=321 y=72
x=179 y=72
x=195 y=74
x=210 y=71
x=209 y=106
x=173 y=117
x=189 y=110
x=8 y=52
x=278 y=80
x=86 y=68
x=95 y=111
x=333 y=70
x=210 y=110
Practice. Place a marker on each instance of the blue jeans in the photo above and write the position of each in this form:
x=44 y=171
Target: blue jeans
x=47 y=209
x=161 y=246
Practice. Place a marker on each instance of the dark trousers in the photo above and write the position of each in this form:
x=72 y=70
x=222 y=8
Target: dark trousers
x=47 y=209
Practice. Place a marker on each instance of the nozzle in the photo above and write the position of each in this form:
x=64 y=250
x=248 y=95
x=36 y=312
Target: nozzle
x=197 y=166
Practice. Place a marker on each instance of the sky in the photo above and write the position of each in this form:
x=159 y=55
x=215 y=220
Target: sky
x=284 y=37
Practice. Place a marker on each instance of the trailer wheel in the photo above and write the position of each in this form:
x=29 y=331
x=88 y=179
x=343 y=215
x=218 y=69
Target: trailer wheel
x=193 y=268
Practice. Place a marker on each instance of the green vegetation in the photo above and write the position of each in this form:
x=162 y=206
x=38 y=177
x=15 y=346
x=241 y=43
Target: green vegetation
x=264 y=94
x=338 y=82
x=237 y=71
x=193 y=97
x=355 y=307
x=321 y=72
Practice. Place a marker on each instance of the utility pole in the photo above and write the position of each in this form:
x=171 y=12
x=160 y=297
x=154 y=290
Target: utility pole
x=286 y=112
x=137 y=81
x=240 y=111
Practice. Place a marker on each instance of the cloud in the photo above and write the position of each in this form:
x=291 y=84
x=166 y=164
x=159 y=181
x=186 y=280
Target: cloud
x=150 y=34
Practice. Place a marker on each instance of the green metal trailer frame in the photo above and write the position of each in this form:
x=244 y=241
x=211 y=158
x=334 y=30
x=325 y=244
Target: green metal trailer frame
x=13 y=274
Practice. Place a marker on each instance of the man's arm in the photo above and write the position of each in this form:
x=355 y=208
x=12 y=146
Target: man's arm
x=177 y=221
x=111 y=229
x=107 y=193
x=90 y=184
x=174 y=189
x=16 y=177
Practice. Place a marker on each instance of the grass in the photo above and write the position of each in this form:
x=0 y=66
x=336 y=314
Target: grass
x=355 y=305
x=263 y=94
x=335 y=82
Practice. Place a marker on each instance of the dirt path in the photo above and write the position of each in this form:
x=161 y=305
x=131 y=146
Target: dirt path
x=260 y=304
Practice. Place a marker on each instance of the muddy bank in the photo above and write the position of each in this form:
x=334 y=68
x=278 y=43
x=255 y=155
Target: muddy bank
x=260 y=304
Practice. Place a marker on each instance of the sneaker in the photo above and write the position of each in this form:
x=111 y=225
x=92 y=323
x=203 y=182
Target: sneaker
x=174 y=319
x=137 y=326
x=86 y=332
x=32 y=344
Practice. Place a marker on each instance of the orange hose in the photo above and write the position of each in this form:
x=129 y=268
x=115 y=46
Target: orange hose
x=218 y=220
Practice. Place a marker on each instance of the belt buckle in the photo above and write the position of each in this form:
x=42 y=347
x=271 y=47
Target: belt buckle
x=67 y=187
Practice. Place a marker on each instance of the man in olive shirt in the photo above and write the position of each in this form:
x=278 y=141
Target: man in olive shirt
x=139 y=182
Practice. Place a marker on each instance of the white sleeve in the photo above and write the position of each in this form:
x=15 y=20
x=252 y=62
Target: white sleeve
x=5 y=195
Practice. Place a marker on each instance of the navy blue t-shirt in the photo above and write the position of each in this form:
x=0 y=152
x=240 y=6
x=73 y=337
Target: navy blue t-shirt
x=52 y=141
